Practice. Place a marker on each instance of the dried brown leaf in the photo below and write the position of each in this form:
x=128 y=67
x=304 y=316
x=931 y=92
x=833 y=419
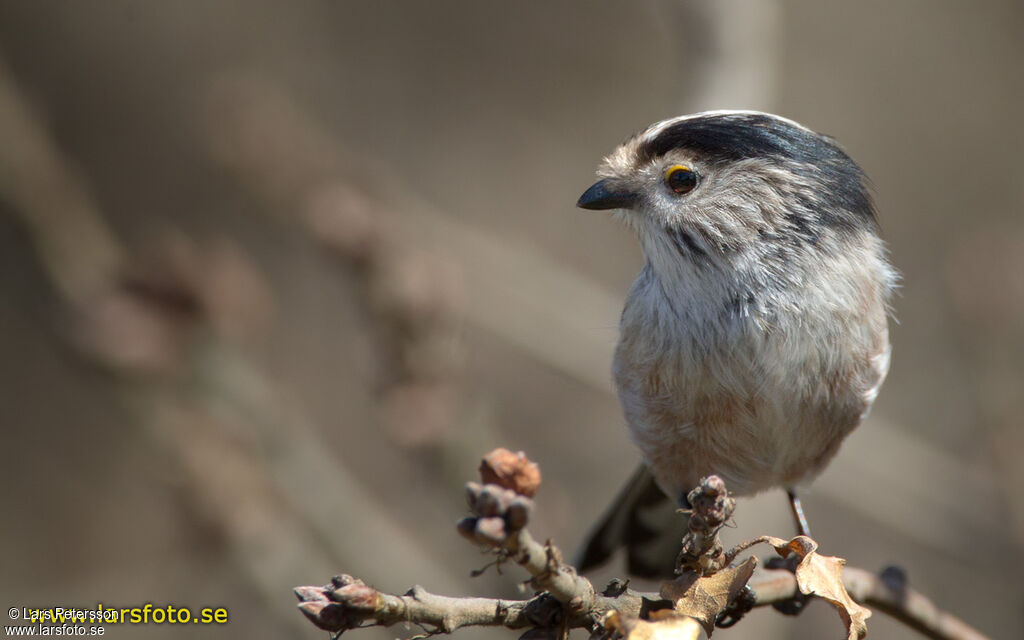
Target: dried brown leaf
x=511 y=470
x=664 y=625
x=704 y=598
x=822 y=576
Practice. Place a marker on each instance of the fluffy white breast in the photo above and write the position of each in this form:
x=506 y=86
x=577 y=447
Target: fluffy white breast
x=758 y=391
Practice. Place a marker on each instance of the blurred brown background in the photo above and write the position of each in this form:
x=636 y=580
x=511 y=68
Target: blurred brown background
x=274 y=275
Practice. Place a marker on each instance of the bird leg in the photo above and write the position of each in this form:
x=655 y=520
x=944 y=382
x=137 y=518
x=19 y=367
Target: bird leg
x=802 y=528
x=796 y=604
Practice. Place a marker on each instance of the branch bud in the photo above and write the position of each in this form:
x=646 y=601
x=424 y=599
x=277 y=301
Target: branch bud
x=512 y=471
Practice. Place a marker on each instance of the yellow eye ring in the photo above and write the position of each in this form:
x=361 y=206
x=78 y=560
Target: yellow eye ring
x=680 y=179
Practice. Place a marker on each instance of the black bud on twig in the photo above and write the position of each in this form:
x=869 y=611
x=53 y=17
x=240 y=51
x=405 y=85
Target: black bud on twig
x=894 y=577
x=467 y=528
x=615 y=588
x=472 y=491
x=490 y=501
x=343 y=580
x=518 y=513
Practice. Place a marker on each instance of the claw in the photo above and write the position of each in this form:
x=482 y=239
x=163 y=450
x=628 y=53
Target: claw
x=796 y=604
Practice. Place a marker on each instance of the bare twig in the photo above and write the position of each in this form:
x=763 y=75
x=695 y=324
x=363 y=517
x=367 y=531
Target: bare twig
x=877 y=591
x=339 y=606
x=896 y=599
x=707 y=589
x=501 y=512
x=348 y=603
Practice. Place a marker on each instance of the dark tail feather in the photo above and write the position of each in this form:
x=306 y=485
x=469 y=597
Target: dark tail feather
x=642 y=519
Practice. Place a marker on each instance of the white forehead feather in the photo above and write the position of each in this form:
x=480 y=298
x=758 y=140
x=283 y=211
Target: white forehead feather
x=655 y=129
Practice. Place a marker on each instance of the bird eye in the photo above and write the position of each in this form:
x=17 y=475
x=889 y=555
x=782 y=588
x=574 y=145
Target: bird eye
x=680 y=179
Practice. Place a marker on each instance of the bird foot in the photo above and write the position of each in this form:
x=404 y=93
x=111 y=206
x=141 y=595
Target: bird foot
x=796 y=604
x=741 y=606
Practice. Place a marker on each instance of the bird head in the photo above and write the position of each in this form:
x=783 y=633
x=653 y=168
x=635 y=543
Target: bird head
x=725 y=186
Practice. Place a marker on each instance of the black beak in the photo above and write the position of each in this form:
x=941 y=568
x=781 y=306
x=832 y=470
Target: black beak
x=600 y=196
